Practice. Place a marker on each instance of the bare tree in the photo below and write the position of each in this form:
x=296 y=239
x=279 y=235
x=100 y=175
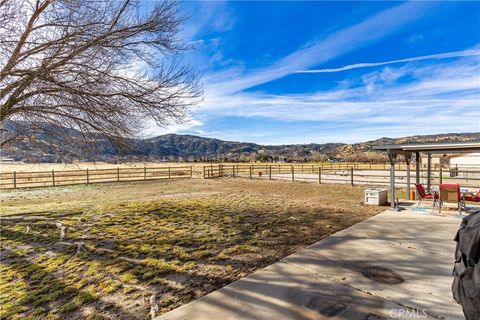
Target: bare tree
x=91 y=68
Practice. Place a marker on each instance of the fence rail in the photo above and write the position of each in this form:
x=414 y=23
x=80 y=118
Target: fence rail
x=13 y=180
x=353 y=174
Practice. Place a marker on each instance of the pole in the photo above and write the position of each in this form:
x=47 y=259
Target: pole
x=118 y=174
x=319 y=175
x=408 y=158
x=270 y=172
x=144 y=173
x=351 y=176
x=251 y=171
x=169 y=174
x=88 y=178
x=429 y=171
x=15 y=179
x=392 y=158
x=53 y=178
x=417 y=167
x=293 y=173
x=440 y=178
x=191 y=171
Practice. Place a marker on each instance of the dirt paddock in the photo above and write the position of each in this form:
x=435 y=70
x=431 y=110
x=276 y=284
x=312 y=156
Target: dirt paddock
x=178 y=239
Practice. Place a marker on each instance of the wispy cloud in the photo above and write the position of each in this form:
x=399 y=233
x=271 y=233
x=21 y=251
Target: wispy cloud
x=322 y=50
x=430 y=100
x=454 y=54
x=414 y=95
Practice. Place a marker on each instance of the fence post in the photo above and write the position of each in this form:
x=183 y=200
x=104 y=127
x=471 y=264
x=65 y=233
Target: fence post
x=293 y=173
x=169 y=172
x=88 y=178
x=15 y=179
x=118 y=174
x=384 y=166
x=251 y=169
x=144 y=173
x=302 y=167
x=319 y=174
x=351 y=176
x=440 y=178
x=53 y=178
x=191 y=171
x=270 y=172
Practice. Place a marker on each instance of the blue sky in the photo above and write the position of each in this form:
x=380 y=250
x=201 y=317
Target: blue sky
x=302 y=72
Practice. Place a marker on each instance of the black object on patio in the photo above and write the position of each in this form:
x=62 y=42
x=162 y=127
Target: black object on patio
x=466 y=271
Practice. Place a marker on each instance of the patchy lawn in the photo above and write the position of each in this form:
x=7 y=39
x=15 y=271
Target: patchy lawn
x=178 y=240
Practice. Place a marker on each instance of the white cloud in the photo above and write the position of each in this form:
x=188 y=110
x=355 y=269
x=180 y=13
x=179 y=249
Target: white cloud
x=336 y=44
x=454 y=54
x=442 y=97
x=152 y=129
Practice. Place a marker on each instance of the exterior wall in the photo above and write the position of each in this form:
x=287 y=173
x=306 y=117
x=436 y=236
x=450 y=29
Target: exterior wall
x=466 y=161
x=466 y=166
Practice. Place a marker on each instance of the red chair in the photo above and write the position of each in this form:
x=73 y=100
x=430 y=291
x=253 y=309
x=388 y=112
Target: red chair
x=472 y=197
x=451 y=193
x=422 y=194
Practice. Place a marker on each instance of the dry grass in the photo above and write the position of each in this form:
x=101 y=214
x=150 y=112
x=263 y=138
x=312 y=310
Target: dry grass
x=178 y=239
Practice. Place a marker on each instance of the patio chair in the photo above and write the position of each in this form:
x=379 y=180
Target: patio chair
x=473 y=197
x=451 y=193
x=422 y=194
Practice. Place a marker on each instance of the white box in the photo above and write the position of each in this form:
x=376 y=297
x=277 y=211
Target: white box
x=375 y=196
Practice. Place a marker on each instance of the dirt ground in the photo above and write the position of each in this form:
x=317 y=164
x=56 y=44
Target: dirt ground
x=177 y=240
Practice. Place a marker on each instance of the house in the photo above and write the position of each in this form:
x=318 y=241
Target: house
x=467 y=161
x=466 y=165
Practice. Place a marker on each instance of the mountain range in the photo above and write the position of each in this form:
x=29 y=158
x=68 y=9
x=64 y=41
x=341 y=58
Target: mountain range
x=174 y=147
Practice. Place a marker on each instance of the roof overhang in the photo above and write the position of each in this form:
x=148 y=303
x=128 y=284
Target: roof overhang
x=461 y=147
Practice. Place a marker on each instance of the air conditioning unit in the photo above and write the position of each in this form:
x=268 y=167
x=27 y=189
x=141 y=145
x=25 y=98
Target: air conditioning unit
x=376 y=196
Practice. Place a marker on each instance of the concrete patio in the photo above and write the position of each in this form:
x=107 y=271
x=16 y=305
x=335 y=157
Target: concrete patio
x=391 y=266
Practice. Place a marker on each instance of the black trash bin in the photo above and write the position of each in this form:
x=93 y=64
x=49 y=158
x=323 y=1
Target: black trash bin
x=466 y=271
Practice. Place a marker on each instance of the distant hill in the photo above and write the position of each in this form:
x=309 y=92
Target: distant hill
x=174 y=147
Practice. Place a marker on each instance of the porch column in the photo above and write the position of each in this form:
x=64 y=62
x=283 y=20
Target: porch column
x=392 y=158
x=408 y=158
x=417 y=167
x=429 y=171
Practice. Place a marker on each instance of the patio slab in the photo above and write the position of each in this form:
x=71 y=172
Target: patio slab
x=394 y=265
